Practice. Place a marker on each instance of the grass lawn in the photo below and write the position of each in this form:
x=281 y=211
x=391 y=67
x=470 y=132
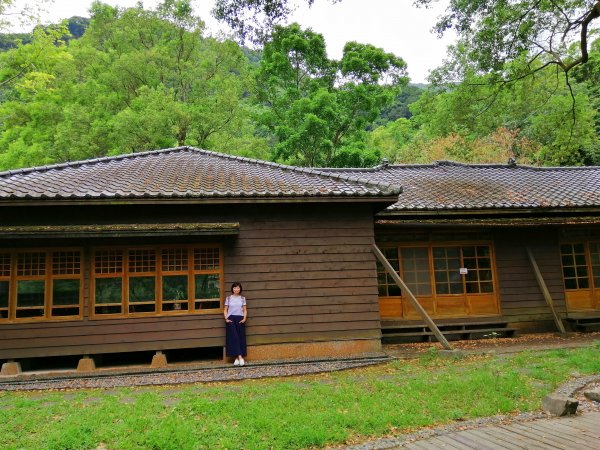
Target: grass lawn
x=289 y=413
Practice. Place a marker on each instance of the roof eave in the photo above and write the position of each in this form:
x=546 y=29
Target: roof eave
x=387 y=199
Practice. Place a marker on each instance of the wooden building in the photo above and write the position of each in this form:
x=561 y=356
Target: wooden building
x=465 y=239
x=137 y=252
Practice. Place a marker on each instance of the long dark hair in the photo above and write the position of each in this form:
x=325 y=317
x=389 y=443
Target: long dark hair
x=236 y=284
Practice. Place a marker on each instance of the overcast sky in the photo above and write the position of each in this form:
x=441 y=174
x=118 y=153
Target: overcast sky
x=394 y=25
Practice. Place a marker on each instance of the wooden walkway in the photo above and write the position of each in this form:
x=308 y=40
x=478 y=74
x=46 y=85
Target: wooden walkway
x=579 y=432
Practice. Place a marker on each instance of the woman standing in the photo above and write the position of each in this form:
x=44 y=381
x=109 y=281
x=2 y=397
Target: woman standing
x=235 y=329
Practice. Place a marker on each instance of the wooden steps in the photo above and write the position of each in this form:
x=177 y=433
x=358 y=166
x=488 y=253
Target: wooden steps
x=586 y=325
x=395 y=332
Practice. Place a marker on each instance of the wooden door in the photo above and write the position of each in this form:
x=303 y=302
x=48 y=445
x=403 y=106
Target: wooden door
x=581 y=275
x=448 y=280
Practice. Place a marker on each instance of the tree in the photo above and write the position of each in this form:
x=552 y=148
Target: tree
x=314 y=106
x=538 y=112
x=494 y=31
x=137 y=80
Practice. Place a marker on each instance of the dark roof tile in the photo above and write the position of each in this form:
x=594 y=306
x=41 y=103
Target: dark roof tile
x=448 y=185
x=182 y=172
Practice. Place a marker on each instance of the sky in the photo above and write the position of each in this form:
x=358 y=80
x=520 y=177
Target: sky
x=394 y=25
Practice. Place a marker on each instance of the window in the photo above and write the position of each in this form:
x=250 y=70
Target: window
x=40 y=284
x=433 y=270
x=172 y=280
x=580 y=264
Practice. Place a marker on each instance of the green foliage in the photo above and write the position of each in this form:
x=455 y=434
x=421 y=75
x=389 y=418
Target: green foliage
x=314 y=106
x=539 y=120
x=136 y=80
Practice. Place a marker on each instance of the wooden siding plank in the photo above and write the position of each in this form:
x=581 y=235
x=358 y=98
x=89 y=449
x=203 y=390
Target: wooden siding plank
x=112 y=348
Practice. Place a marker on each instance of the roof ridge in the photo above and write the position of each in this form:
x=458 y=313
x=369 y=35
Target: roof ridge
x=394 y=188
x=88 y=161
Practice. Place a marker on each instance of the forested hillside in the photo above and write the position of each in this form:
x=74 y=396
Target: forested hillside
x=137 y=79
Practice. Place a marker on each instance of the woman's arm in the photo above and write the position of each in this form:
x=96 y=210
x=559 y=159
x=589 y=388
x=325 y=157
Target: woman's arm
x=245 y=313
x=225 y=314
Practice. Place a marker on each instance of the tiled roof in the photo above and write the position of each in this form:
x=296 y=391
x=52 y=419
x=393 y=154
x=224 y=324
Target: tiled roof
x=182 y=172
x=453 y=186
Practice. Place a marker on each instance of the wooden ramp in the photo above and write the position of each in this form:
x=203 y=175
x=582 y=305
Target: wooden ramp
x=578 y=432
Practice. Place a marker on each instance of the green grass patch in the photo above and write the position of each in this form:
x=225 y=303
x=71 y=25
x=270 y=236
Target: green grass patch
x=290 y=413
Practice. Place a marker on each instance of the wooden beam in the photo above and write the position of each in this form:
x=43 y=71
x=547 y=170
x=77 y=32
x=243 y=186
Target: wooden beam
x=413 y=300
x=545 y=291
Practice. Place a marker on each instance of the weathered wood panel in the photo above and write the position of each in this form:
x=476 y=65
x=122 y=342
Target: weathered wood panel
x=520 y=295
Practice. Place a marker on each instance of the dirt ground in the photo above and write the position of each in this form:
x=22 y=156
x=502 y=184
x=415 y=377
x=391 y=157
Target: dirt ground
x=534 y=341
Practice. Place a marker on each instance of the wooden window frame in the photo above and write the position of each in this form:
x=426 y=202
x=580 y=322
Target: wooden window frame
x=588 y=265
x=429 y=245
x=158 y=274
x=48 y=278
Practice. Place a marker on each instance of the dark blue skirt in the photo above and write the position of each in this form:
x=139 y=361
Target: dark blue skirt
x=235 y=336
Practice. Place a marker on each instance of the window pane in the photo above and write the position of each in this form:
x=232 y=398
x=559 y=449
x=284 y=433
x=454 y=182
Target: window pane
x=568 y=260
x=108 y=261
x=394 y=290
x=486 y=287
x=109 y=290
x=142 y=289
x=142 y=261
x=469 y=252
x=472 y=288
x=207 y=286
x=174 y=287
x=4 y=294
x=66 y=263
x=206 y=259
x=456 y=288
x=30 y=293
x=178 y=306
x=63 y=312
x=31 y=264
x=174 y=259
x=4 y=264
x=570 y=283
x=65 y=292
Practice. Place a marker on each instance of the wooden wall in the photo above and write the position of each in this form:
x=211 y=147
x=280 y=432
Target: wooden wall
x=520 y=296
x=308 y=273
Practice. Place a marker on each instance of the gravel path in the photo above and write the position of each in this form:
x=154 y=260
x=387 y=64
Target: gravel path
x=192 y=374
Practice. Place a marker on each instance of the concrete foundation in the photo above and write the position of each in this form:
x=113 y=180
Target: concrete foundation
x=10 y=368
x=86 y=364
x=159 y=360
x=328 y=349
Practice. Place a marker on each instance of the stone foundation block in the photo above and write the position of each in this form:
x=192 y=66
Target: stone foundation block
x=86 y=364
x=11 y=368
x=560 y=405
x=159 y=360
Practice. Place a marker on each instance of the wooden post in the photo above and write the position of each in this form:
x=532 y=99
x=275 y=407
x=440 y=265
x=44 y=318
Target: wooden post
x=413 y=300
x=545 y=291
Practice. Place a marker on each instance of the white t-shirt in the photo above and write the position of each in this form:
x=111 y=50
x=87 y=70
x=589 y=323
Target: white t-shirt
x=234 y=305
